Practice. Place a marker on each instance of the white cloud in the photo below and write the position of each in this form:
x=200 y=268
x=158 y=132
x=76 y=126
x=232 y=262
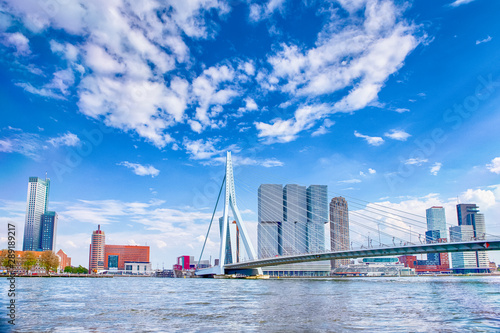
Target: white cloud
x=141 y=170
x=286 y=130
x=486 y=40
x=18 y=41
x=457 y=3
x=26 y=144
x=416 y=161
x=372 y=171
x=213 y=87
x=250 y=105
x=349 y=181
x=260 y=12
x=323 y=129
x=401 y=110
x=494 y=166
x=361 y=56
x=435 y=168
x=399 y=135
x=372 y=140
x=69 y=139
x=202 y=150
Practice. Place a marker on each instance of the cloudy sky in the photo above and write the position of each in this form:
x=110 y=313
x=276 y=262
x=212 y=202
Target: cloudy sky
x=130 y=106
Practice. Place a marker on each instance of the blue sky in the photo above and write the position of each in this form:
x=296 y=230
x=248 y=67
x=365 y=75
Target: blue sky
x=130 y=106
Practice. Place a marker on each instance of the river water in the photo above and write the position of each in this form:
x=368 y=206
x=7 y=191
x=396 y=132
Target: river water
x=406 y=304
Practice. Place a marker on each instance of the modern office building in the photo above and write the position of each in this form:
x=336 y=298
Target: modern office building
x=96 y=253
x=48 y=231
x=317 y=217
x=436 y=220
x=436 y=232
x=472 y=227
x=294 y=226
x=463 y=261
x=292 y=221
x=270 y=215
x=37 y=203
x=116 y=257
x=339 y=229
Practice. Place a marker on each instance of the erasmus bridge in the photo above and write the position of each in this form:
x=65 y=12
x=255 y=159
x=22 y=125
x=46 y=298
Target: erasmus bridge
x=363 y=224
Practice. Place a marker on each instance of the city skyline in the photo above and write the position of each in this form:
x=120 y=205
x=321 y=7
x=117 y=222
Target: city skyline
x=131 y=120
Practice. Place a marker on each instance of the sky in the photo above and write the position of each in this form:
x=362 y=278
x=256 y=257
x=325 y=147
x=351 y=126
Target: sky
x=130 y=107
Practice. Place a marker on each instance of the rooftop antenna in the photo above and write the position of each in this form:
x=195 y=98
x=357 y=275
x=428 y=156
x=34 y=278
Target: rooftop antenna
x=458 y=201
x=45 y=175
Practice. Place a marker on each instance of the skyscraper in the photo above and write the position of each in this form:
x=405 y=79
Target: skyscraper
x=436 y=231
x=339 y=228
x=292 y=221
x=468 y=215
x=436 y=220
x=270 y=214
x=294 y=227
x=96 y=253
x=317 y=217
x=37 y=203
x=48 y=231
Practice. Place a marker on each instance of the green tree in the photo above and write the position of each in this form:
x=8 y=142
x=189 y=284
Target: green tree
x=68 y=269
x=29 y=260
x=49 y=261
x=82 y=270
x=4 y=258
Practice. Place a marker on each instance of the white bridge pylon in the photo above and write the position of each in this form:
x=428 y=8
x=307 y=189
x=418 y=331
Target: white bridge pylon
x=230 y=201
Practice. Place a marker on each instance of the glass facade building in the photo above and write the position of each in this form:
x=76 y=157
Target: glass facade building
x=48 y=231
x=37 y=203
x=436 y=220
x=270 y=215
x=468 y=215
x=294 y=227
x=317 y=217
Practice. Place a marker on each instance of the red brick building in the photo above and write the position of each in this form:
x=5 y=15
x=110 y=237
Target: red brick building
x=64 y=260
x=115 y=256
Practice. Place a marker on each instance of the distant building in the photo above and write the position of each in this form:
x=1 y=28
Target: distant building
x=339 y=229
x=48 y=231
x=436 y=232
x=471 y=226
x=36 y=206
x=292 y=221
x=96 y=253
x=18 y=264
x=116 y=257
x=440 y=265
x=270 y=218
x=64 y=260
x=294 y=226
x=317 y=217
x=436 y=220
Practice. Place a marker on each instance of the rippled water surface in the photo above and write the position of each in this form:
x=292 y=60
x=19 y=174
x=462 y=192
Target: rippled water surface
x=412 y=304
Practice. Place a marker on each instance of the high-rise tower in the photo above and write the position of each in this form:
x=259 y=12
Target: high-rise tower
x=471 y=220
x=293 y=230
x=36 y=206
x=317 y=217
x=339 y=229
x=96 y=255
x=270 y=214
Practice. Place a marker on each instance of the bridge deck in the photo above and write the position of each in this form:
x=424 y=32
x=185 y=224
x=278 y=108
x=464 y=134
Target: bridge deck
x=372 y=252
